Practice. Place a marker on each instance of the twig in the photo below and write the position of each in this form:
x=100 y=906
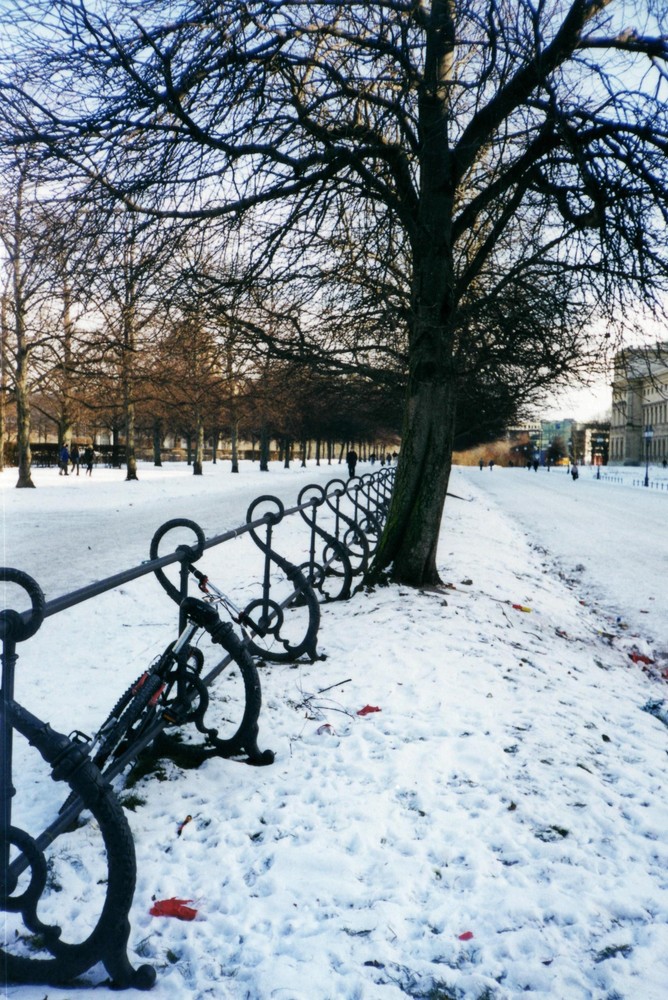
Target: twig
x=338 y=684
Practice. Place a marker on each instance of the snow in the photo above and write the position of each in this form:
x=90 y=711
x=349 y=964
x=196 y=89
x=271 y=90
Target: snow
x=496 y=829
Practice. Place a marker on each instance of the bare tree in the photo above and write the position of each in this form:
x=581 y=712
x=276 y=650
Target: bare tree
x=29 y=238
x=126 y=291
x=513 y=144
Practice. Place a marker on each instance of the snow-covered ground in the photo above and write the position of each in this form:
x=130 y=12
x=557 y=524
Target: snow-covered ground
x=497 y=829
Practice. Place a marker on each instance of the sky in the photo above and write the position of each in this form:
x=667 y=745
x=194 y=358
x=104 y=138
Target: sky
x=494 y=824
x=583 y=405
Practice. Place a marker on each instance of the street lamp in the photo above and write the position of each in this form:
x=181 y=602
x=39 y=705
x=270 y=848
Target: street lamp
x=648 y=434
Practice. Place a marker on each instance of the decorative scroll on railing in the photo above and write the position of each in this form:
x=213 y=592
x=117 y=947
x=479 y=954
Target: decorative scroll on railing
x=277 y=622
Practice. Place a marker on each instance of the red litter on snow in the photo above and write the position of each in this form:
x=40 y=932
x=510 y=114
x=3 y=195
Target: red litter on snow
x=173 y=908
x=368 y=709
x=641 y=658
x=466 y=936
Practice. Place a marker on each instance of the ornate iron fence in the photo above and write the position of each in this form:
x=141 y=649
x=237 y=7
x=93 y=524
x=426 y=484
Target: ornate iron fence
x=280 y=621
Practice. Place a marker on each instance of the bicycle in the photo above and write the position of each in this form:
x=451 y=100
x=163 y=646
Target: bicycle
x=25 y=873
x=172 y=692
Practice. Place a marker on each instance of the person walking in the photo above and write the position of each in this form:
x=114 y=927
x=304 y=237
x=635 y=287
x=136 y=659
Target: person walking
x=64 y=460
x=351 y=459
x=75 y=457
x=88 y=457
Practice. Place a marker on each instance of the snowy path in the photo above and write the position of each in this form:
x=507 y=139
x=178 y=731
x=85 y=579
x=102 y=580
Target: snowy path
x=608 y=541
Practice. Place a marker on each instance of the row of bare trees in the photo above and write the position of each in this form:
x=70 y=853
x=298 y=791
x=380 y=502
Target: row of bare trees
x=116 y=325
x=462 y=195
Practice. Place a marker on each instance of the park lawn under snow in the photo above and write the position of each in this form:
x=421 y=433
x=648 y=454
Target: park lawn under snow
x=496 y=829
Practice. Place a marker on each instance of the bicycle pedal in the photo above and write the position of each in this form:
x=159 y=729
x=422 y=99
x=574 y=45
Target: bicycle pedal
x=174 y=717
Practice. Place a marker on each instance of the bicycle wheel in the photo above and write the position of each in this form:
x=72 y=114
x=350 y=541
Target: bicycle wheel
x=123 y=727
x=128 y=719
x=96 y=864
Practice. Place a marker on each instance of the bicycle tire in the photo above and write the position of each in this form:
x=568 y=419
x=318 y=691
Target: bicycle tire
x=231 y=735
x=107 y=941
x=125 y=714
x=138 y=701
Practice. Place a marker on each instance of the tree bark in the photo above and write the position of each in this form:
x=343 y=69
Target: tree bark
x=410 y=539
x=409 y=543
x=130 y=457
x=198 y=464
x=23 y=422
x=157 y=442
x=264 y=448
x=234 y=434
x=4 y=330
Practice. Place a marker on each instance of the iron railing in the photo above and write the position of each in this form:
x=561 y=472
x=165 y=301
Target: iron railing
x=280 y=617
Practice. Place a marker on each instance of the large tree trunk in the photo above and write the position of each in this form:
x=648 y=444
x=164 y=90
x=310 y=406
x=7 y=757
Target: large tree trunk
x=23 y=423
x=409 y=542
x=198 y=464
x=22 y=357
x=130 y=457
x=264 y=448
x=22 y=402
x=234 y=440
x=4 y=330
x=157 y=442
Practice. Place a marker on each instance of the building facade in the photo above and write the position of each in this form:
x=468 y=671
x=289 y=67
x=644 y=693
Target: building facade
x=639 y=402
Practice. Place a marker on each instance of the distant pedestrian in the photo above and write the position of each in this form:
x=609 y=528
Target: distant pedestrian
x=89 y=458
x=351 y=459
x=574 y=472
x=64 y=460
x=535 y=465
x=481 y=464
x=75 y=457
x=388 y=459
x=491 y=464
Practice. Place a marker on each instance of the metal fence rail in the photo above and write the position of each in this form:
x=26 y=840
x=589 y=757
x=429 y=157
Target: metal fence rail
x=335 y=529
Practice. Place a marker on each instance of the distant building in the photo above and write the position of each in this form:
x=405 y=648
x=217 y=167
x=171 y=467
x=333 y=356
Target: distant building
x=592 y=443
x=639 y=401
x=561 y=441
x=557 y=439
x=524 y=442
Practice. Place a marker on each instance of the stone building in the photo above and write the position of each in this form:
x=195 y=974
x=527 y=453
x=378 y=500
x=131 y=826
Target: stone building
x=640 y=401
